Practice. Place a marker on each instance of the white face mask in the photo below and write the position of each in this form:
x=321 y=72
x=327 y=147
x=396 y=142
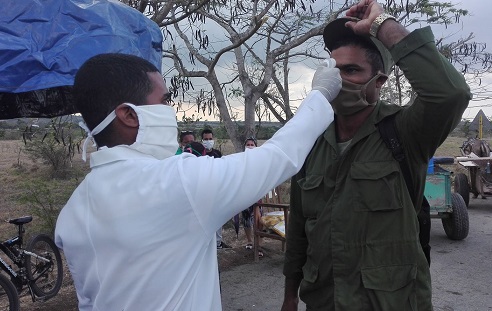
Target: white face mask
x=208 y=144
x=157 y=130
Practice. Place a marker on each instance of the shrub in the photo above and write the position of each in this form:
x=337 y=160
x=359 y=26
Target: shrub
x=54 y=146
x=45 y=198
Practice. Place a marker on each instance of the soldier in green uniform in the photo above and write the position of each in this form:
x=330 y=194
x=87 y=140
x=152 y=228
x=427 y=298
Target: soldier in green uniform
x=353 y=234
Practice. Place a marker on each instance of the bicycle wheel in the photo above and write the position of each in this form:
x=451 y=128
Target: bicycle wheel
x=45 y=277
x=9 y=300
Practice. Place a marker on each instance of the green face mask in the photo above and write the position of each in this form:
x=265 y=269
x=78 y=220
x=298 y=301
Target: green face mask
x=352 y=97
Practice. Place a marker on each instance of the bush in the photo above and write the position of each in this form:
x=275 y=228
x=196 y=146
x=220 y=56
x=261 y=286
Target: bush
x=54 y=146
x=46 y=198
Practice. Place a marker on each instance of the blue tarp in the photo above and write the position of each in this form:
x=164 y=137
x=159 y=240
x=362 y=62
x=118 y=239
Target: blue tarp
x=44 y=42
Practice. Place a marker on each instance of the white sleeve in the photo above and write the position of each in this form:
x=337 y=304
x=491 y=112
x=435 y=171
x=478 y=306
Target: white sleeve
x=220 y=188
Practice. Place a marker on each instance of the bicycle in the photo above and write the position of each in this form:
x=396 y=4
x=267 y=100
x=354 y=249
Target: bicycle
x=38 y=266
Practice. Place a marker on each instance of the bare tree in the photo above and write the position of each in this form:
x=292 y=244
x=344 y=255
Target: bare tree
x=257 y=34
x=242 y=52
x=159 y=10
x=467 y=56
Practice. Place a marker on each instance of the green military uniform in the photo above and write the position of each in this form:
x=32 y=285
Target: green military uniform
x=353 y=230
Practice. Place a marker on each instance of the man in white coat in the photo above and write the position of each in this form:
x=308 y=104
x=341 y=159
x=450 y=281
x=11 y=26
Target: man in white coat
x=139 y=231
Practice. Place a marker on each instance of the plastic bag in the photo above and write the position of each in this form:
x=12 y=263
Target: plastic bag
x=43 y=43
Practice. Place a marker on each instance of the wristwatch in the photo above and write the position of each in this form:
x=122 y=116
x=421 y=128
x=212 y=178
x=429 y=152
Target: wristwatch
x=378 y=22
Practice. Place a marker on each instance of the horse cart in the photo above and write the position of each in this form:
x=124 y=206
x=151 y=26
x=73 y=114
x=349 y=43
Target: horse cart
x=444 y=204
x=476 y=159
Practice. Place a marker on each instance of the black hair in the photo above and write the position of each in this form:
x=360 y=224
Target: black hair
x=195 y=148
x=207 y=131
x=372 y=53
x=251 y=139
x=105 y=81
x=184 y=133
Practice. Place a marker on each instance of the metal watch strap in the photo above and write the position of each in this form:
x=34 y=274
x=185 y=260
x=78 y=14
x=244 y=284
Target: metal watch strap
x=378 y=22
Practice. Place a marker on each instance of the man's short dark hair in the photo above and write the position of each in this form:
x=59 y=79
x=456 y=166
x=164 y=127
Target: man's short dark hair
x=185 y=133
x=207 y=131
x=372 y=53
x=107 y=80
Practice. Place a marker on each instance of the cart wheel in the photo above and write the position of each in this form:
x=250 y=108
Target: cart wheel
x=457 y=225
x=462 y=187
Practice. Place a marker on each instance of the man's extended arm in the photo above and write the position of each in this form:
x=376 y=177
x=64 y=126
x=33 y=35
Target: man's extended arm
x=260 y=169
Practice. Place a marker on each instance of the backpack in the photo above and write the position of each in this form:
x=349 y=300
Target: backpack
x=389 y=134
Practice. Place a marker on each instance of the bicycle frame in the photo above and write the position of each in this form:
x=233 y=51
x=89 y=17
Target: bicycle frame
x=18 y=257
x=37 y=265
x=6 y=267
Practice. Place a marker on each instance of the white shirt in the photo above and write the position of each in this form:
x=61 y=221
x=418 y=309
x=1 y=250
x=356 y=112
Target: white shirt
x=139 y=233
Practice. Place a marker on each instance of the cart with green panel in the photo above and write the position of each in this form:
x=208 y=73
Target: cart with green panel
x=444 y=204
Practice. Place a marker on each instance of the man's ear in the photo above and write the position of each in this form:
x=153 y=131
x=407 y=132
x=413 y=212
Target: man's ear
x=126 y=115
x=381 y=80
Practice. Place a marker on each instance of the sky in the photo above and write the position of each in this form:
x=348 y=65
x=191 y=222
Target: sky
x=479 y=11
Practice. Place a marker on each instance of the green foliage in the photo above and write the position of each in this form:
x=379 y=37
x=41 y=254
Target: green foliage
x=190 y=121
x=266 y=132
x=46 y=198
x=10 y=134
x=236 y=92
x=54 y=146
x=263 y=131
x=220 y=132
x=51 y=153
x=466 y=127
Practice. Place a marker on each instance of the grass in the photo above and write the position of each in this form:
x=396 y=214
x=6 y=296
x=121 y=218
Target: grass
x=450 y=147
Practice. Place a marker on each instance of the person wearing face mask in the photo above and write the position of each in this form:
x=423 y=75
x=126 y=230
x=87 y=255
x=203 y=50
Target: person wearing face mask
x=250 y=143
x=248 y=214
x=353 y=236
x=138 y=233
x=208 y=142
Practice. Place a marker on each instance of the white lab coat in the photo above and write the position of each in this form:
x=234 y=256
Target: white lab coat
x=139 y=233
